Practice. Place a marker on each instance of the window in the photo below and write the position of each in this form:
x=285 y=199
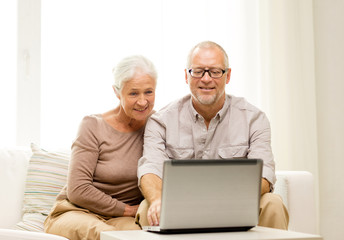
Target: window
x=82 y=40
x=8 y=77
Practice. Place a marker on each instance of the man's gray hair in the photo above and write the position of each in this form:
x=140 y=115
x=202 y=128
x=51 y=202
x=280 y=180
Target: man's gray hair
x=207 y=44
x=126 y=69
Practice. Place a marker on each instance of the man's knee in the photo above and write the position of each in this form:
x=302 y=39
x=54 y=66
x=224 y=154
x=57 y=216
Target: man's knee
x=141 y=215
x=271 y=200
x=273 y=213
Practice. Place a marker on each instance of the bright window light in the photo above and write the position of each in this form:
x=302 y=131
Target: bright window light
x=82 y=40
x=8 y=77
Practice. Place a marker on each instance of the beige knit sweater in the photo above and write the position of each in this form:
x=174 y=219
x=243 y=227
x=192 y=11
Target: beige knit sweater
x=103 y=168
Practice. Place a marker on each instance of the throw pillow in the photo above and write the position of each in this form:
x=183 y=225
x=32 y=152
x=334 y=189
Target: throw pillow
x=46 y=176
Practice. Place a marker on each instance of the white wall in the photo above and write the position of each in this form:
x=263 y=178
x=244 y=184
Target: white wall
x=329 y=65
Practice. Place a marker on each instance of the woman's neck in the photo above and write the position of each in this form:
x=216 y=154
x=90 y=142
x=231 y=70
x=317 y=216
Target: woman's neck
x=121 y=122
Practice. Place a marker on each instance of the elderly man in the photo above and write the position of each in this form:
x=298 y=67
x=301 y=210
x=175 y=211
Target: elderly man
x=209 y=124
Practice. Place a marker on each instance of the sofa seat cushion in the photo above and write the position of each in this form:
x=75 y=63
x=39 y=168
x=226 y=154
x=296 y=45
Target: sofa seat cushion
x=33 y=222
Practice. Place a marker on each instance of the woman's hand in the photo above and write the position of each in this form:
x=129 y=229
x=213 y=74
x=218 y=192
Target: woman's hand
x=130 y=211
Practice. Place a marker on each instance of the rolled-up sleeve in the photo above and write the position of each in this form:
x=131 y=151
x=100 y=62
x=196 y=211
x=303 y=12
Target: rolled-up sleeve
x=154 y=153
x=260 y=146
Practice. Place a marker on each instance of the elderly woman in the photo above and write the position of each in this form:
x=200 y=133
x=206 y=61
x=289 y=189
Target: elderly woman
x=102 y=192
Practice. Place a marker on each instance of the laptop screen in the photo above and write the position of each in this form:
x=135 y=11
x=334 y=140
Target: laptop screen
x=221 y=193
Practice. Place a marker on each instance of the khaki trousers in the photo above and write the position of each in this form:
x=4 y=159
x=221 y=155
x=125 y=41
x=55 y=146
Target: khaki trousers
x=272 y=212
x=76 y=223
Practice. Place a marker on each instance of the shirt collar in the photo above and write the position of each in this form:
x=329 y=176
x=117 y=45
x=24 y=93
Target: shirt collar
x=224 y=110
x=192 y=111
x=220 y=115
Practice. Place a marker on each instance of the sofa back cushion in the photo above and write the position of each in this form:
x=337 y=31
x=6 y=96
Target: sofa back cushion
x=46 y=176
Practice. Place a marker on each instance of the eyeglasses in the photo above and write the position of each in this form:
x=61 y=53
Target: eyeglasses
x=213 y=72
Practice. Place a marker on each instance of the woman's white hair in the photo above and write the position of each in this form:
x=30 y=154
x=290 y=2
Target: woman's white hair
x=128 y=67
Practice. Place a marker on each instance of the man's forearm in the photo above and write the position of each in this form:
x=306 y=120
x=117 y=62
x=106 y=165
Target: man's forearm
x=151 y=185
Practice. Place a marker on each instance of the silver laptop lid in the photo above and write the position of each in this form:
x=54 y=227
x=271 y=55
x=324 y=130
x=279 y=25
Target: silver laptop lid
x=210 y=193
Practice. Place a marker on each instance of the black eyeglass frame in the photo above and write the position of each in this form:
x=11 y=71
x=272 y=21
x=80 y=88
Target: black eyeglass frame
x=208 y=71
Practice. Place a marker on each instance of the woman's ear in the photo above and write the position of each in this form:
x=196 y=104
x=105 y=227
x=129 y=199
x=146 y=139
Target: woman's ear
x=116 y=92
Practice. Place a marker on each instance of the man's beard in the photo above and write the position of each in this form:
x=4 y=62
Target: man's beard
x=206 y=99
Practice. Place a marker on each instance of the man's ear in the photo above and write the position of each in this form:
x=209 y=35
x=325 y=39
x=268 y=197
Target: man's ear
x=229 y=71
x=186 y=76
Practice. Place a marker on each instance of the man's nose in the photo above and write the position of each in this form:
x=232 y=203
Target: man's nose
x=206 y=77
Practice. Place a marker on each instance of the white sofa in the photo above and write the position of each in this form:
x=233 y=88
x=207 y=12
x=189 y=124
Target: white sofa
x=295 y=187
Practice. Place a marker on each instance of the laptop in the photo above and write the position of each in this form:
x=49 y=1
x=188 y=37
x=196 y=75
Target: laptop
x=209 y=195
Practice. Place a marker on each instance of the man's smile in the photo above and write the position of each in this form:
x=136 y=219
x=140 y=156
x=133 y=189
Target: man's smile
x=207 y=88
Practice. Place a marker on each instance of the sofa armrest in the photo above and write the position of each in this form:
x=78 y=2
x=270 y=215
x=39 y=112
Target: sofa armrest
x=14 y=162
x=297 y=191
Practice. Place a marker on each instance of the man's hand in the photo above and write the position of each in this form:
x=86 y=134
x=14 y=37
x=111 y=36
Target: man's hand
x=151 y=189
x=153 y=214
x=265 y=186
